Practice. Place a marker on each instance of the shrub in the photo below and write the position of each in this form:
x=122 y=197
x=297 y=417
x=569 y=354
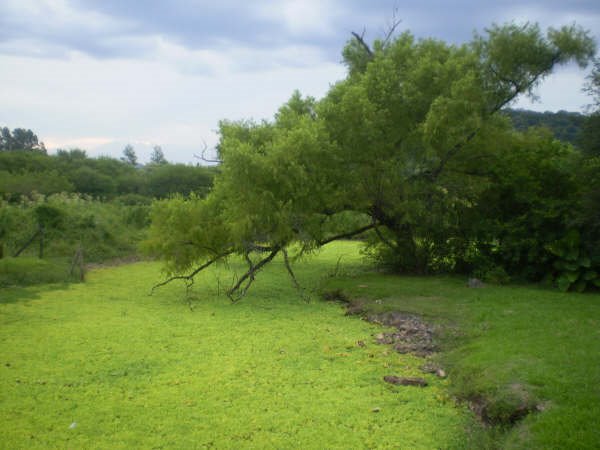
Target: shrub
x=25 y=271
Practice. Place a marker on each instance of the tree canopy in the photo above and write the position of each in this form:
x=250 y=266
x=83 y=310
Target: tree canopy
x=19 y=139
x=401 y=148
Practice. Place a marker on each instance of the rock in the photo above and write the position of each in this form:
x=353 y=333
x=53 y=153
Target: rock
x=376 y=410
x=441 y=373
x=429 y=367
x=73 y=425
x=412 y=335
x=405 y=381
x=361 y=344
x=475 y=283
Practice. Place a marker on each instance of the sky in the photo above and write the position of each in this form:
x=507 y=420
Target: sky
x=101 y=74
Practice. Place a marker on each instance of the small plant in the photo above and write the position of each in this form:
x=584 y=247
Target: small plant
x=574 y=269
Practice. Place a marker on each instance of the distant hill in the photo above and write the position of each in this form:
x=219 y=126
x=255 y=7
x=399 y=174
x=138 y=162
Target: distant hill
x=565 y=125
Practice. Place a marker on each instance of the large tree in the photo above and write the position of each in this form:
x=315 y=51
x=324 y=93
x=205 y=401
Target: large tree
x=20 y=139
x=398 y=146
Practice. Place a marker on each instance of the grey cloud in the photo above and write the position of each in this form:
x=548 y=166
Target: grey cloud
x=198 y=24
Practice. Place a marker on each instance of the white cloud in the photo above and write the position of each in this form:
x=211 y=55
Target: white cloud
x=304 y=17
x=101 y=105
x=83 y=78
x=561 y=90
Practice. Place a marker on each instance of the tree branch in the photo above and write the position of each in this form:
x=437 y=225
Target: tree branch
x=203 y=158
x=363 y=44
x=347 y=235
x=518 y=89
x=249 y=276
x=385 y=240
x=288 y=266
x=190 y=277
x=392 y=28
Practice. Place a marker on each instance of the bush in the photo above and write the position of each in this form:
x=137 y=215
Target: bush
x=25 y=271
x=105 y=230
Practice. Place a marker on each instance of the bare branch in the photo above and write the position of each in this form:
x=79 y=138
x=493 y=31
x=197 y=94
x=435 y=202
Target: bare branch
x=385 y=240
x=189 y=279
x=392 y=27
x=359 y=38
x=288 y=266
x=203 y=158
x=347 y=235
x=248 y=277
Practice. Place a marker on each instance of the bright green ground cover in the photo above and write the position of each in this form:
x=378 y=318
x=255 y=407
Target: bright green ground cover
x=133 y=371
x=274 y=372
x=504 y=341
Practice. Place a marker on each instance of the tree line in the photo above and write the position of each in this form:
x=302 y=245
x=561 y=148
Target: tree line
x=25 y=167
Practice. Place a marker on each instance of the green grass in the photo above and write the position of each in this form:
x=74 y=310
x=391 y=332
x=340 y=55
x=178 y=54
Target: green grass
x=275 y=372
x=103 y=365
x=506 y=341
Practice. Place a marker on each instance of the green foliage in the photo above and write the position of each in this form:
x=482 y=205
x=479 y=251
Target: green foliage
x=24 y=183
x=158 y=157
x=27 y=271
x=23 y=173
x=565 y=126
x=20 y=139
x=590 y=135
x=163 y=180
x=573 y=265
x=129 y=156
x=412 y=140
x=105 y=230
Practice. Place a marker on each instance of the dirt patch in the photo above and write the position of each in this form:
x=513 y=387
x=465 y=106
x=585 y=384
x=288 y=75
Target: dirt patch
x=504 y=407
x=411 y=335
x=405 y=381
x=508 y=406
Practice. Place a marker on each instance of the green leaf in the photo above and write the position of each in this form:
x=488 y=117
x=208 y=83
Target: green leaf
x=571 y=266
x=584 y=261
x=590 y=275
x=571 y=275
x=572 y=254
x=563 y=283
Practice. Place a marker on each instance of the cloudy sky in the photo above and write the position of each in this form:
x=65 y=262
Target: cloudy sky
x=98 y=74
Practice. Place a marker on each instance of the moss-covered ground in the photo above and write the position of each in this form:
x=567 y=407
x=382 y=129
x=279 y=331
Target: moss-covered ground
x=104 y=365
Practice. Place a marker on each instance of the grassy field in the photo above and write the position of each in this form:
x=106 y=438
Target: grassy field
x=506 y=347
x=104 y=365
